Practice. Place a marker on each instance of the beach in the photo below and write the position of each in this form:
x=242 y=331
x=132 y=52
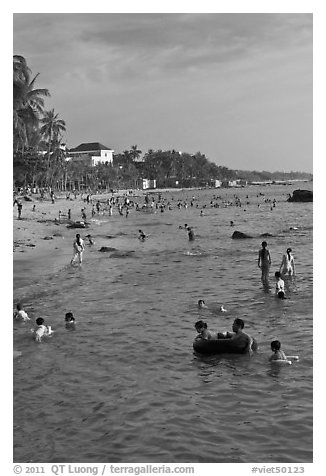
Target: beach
x=125 y=385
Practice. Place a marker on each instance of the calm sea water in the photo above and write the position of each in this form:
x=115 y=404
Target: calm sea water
x=125 y=386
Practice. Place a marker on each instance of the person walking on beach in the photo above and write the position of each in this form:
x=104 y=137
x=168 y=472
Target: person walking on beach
x=264 y=261
x=78 y=248
x=287 y=266
x=19 y=207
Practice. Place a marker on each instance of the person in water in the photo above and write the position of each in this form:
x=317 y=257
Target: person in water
x=278 y=354
x=90 y=240
x=201 y=304
x=287 y=266
x=238 y=335
x=41 y=329
x=264 y=261
x=78 y=248
x=70 y=320
x=279 y=288
x=203 y=332
x=141 y=235
x=191 y=234
x=20 y=314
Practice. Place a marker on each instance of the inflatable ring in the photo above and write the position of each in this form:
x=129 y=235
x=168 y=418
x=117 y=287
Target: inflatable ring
x=221 y=346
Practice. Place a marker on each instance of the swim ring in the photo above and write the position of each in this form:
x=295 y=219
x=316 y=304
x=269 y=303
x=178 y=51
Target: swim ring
x=221 y=346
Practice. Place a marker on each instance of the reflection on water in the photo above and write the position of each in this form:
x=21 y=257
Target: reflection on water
x=126 y=384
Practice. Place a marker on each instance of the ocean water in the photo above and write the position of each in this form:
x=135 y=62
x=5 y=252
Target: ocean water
x=125 y=385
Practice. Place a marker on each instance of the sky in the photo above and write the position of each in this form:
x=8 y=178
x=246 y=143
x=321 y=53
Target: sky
x=237 y=87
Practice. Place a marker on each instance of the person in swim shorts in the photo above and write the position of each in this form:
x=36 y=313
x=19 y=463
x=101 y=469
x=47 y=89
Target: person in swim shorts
x=264 y=261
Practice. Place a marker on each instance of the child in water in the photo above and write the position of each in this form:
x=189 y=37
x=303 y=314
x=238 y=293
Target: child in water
x=41 y=329
x=203 y=332
x=201 y=304
x=70 y=320
x=278 y=353
x=20 y=314
x=279 y=289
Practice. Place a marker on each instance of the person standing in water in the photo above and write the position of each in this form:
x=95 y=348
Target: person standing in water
x=264 y=261
x=287 y=266
x=78 y=247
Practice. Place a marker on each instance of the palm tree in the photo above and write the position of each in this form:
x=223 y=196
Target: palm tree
x=52 y=130
x=28 y=103
x=135 y=152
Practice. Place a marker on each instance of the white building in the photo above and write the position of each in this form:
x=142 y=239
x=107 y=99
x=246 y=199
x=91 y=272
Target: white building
x=148 y=183
x=94 y=151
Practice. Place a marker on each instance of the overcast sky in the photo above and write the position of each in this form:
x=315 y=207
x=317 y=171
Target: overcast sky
x=236 y=87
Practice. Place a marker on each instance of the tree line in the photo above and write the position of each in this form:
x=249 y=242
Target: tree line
x=40 y=155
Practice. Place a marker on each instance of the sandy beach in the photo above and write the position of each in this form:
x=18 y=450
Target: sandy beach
x=40 y=241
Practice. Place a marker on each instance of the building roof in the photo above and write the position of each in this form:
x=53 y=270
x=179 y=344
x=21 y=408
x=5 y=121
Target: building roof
x=89 y=147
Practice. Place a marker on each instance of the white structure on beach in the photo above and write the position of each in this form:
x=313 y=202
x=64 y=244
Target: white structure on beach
x=94 y=151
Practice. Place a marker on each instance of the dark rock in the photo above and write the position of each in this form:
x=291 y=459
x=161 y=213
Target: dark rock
x=105 y=249
x=238 y=235
x=301 y=196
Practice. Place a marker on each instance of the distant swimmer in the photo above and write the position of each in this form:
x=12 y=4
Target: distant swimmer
x=287 y=266
x=279 y=356
x=279 y=288
x=70 y=320
x=20 y=314
x=90 y=240
x=191 y=234
x=141 y=235
x=78 y=248
x=231 y=223
x=264 y=261
x=222 y=309
x=201 y=304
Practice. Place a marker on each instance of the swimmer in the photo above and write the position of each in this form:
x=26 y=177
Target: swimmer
x=41 y=330
x=222 y=309
x=203 y=332
x=287 y=266
x=141 y=235
x=191 y=234
x=264 y=261
x=231 y=223
x=90 y=240
x=201 y=304
x=278 y=354
x=279 y=288
x=70 y=320
x=20 y=314
x=238 y=335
